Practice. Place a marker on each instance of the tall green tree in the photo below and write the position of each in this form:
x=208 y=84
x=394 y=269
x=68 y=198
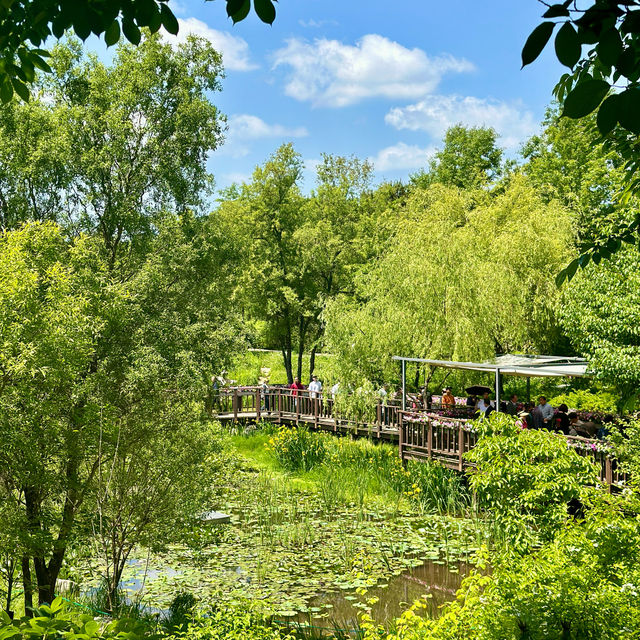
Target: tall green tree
x=469 y=159
x=566 y=162
x=300 y=252
x=108 y=149
x=97 y=371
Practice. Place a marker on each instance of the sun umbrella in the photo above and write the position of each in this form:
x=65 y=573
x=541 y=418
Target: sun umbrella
x=477 y=390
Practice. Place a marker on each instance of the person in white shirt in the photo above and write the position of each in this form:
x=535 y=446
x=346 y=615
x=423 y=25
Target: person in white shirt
x=335 y=390
x=315 y=387
x=484 y=403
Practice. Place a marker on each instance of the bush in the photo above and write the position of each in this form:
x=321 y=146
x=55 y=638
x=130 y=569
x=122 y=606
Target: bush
x=230 y=623
x=600 y=402
x=297 y=449
x=59 y=621
x=526 y=478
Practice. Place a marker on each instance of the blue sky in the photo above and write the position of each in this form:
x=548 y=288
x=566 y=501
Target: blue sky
x=378 y=79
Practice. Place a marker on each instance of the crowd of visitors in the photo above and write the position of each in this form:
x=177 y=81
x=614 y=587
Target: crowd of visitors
x=540 y=415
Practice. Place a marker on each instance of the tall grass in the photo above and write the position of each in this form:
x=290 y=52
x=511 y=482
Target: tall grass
x=352 y=471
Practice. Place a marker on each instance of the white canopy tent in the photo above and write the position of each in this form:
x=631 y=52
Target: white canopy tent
x=507 y=364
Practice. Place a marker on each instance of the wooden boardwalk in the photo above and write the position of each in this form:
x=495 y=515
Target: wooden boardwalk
x=419 y=435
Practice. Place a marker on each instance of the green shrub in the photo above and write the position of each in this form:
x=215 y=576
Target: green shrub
x=230 y=623
x=297 y=449
x=525 y=478
x=60 y=621
x=602 y=401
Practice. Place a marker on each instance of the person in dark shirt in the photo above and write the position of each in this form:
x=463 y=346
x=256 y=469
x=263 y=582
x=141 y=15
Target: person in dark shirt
x=512 y=405
x=561 y=420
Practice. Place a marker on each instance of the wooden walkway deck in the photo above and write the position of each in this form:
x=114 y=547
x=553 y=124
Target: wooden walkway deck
x=419 y=435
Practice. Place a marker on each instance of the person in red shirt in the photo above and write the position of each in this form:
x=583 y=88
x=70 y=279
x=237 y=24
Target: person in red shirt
x=296 y=389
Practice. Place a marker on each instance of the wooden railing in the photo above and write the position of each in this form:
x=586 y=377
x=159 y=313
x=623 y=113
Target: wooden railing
x=280 y=405
x=420 y=435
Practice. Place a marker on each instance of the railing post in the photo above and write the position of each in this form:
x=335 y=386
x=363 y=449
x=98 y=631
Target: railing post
x=608 y=471
x=258 y=404
x=460 y=446
x=378 y=416
x=429 y=437
x=316 y=403
x=235 y=405
x=279 y=405
x=400 y=440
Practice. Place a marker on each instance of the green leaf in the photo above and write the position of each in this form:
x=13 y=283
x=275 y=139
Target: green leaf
x=112 y=34
x=561 y=277
x=626 y=63
x=131 y=31
x=21 y=89
x=536 y=42
x=607 y=116
x=265 y=10
x=568 y=48
x=238 y=10
x=169 y=21
x=81 y=24
x=6 y=90
x=572 y=268
x=629 y=110
x=556 y=11
x=39 y=63
x=585 y=97
x=610 y=47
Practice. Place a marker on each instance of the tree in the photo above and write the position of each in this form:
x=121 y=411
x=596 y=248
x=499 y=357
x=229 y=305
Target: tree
x=600 y=317
x=469 y=159
x=299 y=252
x=467 y=274
x=604 y=80
x=111 y=148
x=26 y=25
x=97 y=371
x=566 y=162
x=265 y=220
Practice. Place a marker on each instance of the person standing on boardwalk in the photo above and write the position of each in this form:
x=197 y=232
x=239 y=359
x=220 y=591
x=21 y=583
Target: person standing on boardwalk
x=296 y=389
x=315 y=387
x=545 y=413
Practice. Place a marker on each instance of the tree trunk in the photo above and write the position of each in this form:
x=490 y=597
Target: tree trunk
x=312 y=361
x=27 y=586
x=286 y=359
x=11 y=566
x=416 y=380
x=301 y=339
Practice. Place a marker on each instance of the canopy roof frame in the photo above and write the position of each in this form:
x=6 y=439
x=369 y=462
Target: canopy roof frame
x=507 y=364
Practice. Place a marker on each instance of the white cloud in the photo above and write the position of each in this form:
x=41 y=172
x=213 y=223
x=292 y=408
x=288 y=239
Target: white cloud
x=435 y=114
x=333 y=74
x=402 y=156
x=244 y=128
x=316 y=24
x=234 y=50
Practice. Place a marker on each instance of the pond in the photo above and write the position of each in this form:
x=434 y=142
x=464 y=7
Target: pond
x=301 y=555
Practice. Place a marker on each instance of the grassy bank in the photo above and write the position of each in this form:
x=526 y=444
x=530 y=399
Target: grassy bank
x=246 y=369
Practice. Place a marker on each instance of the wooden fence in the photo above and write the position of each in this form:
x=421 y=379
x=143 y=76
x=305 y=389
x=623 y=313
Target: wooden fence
x=420 y=435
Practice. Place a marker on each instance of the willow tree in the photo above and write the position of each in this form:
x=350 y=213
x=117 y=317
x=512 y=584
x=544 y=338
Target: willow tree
x=468 y=274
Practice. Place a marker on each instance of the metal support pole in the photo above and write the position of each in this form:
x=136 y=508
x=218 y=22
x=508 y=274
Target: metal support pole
x=404 y=385
x=498 y=381
x=528 y=389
